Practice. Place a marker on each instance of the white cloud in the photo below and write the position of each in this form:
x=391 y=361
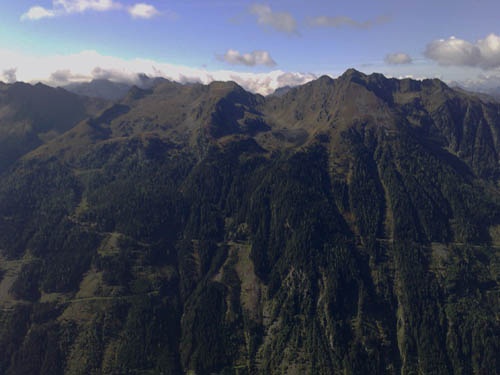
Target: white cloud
x=295 y=79
x=397 y=58
x=9 y=75
x=490 y=51
x=61 y=77
x=485 y=53
x=87 y=65
x=266 y=84
x=341 y=21
x=66 y=7
x=485 y=83
x=249 y=59
x=80 y=6
x=453 y=51
x=142 y=10
x=37 y=13
x=280 y=21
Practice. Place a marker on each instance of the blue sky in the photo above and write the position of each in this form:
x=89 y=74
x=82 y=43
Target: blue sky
x=261 y=45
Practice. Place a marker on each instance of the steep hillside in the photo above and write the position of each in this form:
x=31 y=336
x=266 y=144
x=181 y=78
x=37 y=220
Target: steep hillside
x=347 y=226
x=32 y=115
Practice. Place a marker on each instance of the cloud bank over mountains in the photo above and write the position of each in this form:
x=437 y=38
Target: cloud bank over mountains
x=85 y=66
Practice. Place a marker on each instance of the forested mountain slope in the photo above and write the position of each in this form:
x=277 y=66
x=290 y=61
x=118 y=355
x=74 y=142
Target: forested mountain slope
x=347 y=226
x=32 y=115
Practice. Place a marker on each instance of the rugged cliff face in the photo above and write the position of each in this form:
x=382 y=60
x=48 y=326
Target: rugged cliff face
x=347 y=226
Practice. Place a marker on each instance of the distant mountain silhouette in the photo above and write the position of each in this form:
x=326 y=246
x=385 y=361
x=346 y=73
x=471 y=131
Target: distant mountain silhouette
x=110 y=90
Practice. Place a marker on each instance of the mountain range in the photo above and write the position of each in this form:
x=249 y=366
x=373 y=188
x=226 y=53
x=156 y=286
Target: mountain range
x=345 y=226
x=32 y=115
x=110 y=90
